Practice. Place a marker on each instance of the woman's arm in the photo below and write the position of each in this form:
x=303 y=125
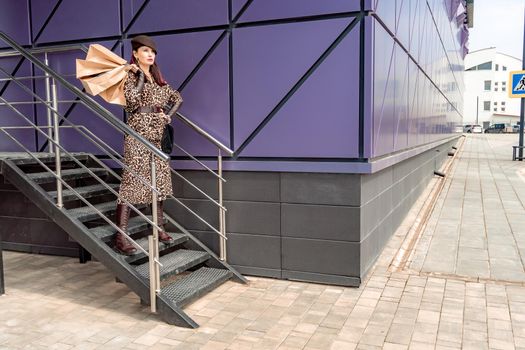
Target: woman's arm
x=175 y=100
x=132 y=90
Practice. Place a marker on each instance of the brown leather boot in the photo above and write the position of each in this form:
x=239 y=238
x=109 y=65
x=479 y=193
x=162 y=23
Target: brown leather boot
x=163 y=236
x=122 y=244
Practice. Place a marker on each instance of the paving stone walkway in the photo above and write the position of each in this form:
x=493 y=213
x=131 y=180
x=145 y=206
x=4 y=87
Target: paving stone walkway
x=470 y=301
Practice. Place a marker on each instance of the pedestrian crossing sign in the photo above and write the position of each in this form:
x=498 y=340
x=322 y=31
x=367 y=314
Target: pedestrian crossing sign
x=517 y=84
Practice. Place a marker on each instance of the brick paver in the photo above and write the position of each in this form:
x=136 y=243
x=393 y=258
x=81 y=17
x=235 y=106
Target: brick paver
x=470 y=297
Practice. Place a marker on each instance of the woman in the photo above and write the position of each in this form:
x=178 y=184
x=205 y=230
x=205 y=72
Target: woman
x=146 y=94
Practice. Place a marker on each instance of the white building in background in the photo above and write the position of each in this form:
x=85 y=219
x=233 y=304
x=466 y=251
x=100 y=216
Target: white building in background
x=486 y=97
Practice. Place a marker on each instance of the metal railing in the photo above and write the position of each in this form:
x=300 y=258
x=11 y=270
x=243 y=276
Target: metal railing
x=53 y=136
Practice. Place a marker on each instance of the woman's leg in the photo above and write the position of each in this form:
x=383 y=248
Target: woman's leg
x=163 y=236
x=122 y=244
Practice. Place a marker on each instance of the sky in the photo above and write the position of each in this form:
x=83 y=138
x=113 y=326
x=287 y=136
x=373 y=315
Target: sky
x=498 y=23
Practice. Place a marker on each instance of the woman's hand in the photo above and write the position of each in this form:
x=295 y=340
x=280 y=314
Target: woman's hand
x=167 y=118
x=134 y=68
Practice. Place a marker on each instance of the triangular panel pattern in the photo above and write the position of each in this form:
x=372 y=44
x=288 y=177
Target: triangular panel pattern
x=322 y=118
x=179 y=54
x=40 y=10
x=237 y=6
x=268 y=61
x=206 y=102
x=179 y=14
x=129 y=10
x=261 y=10
x=82 y=19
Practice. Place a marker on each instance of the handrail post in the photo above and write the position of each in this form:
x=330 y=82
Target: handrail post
x=48 y=111
x=58 y=168
x=153 y=240
x=222 y=214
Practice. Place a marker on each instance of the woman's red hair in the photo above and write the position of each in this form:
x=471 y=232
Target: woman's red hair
x=155 y=72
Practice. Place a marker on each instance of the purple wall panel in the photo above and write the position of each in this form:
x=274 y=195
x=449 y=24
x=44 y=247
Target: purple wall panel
x=179 y=54
x=370 y=24
x=96 y=18
x=386 y=10
x=401 y=100
x=129 y=10
x=40 y=11
x=14 y=21
x=414 y=77
x=272 y=9
x=384 y=93
x=402 y=107
x=322 y=117
x=403 y=22
x=206 y=102
x=176 y=14
x=237 y=6
x=268 y=61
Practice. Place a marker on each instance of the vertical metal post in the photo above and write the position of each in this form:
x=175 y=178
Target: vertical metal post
x=2 y=289
x=152 y=280
x=222 y=214
x=58 y=168
x=522 y=112
x=153 y=240
x=48 y=111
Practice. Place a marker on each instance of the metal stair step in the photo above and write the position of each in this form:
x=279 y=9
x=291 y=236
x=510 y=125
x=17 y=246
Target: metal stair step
x=48 y=158
x=175 y=262
x=135 y=224
x=86 y=191
x=199 y=282
x=67 y=174
x=87 y=213
x=178 y=238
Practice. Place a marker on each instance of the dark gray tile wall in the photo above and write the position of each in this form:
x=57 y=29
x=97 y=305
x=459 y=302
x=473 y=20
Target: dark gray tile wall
x=24 y=227
x=326 y=228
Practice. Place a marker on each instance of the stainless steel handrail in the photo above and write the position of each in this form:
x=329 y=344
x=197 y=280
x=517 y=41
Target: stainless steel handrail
x=49 y=49
x=204 y=133
x=42 y=164
x=38 y=102
x=154 y=224
x=88 y=101
x=54 y=111
x=119 y=125
x=38 y=77
x=109 y=148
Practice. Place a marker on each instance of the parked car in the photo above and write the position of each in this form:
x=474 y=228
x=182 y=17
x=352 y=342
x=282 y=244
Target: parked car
x=476 y=129
x=467 y=127
x=496 y=129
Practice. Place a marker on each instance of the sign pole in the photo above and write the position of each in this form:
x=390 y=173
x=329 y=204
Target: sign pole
x=522 y=100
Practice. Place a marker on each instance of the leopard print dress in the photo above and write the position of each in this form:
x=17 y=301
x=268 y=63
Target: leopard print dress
x=150 y=125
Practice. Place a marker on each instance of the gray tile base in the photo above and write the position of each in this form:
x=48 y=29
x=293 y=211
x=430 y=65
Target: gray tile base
x=326 y=228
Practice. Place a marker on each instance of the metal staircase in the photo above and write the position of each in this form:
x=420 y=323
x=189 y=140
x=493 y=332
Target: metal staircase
x=78 y=191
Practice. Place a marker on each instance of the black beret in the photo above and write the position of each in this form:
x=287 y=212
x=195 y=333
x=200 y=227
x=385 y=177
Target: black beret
x=143 y=40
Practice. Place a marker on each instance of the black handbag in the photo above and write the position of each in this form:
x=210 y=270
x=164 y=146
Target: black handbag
x=166 y=143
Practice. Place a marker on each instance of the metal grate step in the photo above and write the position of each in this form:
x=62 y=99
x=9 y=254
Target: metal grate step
x=86 y=191
x=194 y=285
x=178 y=238
x=86 y=213
x=67 y=174
x=175 y=262
x=135 y=224
x=48 y=159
